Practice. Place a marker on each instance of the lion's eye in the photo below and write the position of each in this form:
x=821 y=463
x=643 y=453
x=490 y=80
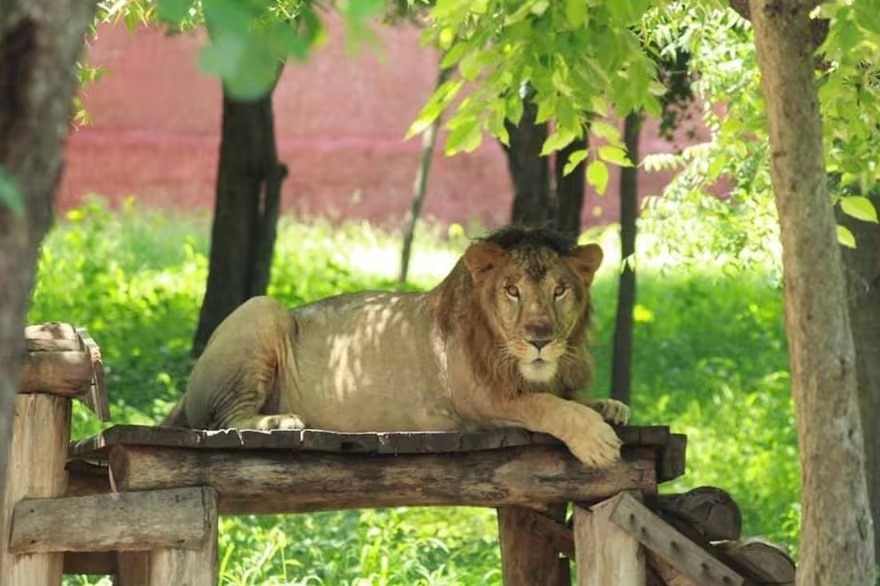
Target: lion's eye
x=559 y=291
x=512 y=291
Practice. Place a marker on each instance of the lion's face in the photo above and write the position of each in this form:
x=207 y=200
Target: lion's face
x=534 y=300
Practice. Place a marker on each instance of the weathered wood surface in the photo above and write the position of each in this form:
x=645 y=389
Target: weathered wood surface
x=132 y=568
x=189 y=567
x=273 y=481
x=529 y=553
x=761 y=561
x=666 y=573
x=708 y=510
x=121 y=521
x=40 y=434
x=675 y=548
x=606 y=554
x=62 y=360
x=329 y=441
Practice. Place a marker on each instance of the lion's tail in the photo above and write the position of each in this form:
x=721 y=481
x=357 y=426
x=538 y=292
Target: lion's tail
x=177 y=417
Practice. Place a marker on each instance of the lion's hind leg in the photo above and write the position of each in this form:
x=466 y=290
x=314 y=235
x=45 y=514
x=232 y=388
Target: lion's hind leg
x=239 y=375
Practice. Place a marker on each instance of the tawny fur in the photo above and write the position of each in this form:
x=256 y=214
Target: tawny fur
x=500 y=341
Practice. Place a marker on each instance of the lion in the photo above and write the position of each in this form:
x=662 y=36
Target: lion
x=501 y=341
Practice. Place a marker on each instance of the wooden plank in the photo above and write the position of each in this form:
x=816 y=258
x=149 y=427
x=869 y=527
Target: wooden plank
x=96 y=397
x=328 y=441
x=527 y=556
x=184 y=567
x=96 y=563
x=65 y=373
x=133 y=568
x=35 y=468
x=672 y=458
x=120 y=521
x=668 y=574
x=275 y=482
x=605 y=554
x=664 y=540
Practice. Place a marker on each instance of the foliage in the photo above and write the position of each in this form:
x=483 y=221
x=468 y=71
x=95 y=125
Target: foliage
x=709 y=361
x=578 y=60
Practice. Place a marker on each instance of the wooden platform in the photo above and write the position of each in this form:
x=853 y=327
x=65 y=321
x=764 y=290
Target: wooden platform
x=312 y=470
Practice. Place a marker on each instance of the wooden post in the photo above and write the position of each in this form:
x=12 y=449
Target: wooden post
x=605 y=554
x=189 y=567
x=527 y=557
x=40 y=434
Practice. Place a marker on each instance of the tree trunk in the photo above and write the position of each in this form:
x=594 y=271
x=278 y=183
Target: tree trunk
x=245 y=212
x=862 y=265
x=534 y=203
x=837 y=538
x=420 y=187
x=621 y=362
x=570 y=189
x=40 y=44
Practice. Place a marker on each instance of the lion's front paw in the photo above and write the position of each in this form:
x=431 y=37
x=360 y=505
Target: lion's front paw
x=597 y=446
x=611 y=410
x=286 y=421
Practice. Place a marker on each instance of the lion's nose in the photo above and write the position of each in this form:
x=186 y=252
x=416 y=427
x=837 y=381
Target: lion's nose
x=540 y=342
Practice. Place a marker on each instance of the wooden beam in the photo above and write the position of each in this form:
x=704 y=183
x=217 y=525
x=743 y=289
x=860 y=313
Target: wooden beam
x=133 y=568
x=606 y=555
x=708 y=510
x=679 y=551
x=121 y=521
x=189 y=567
x=99 y=563
x=35 y=469
x=527 y=556
x=287 y=482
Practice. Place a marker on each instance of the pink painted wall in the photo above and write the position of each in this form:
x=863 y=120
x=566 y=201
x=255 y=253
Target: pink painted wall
x=340 y=122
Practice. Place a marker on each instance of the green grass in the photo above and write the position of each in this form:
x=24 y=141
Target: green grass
x=710 y=361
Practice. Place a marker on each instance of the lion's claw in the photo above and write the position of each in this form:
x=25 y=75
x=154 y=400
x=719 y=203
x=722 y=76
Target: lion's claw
x=611 y=410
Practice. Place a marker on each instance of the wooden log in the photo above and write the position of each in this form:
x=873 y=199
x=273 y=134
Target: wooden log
x=276 y=482
x=606 y=555
x=661 y=538
x=121 y=521
x=527 y=556
x=186 y=567
x=761 y=561
x=133 y=568
x=708 y=510
x=97 y=563
x=52 y=337
x=96 y=397
x=65 y=373
x=35 y=469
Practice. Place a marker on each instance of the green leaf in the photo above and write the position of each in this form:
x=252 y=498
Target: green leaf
x=859 y=207
x=245 y=64
x=605 y=130
x=559 y=139
x=576 y=12
x=574 y=159
x=10 y=194
x=465 y=136
x=845 y=237
x=615 y=155
x=173 y=11
x=597 y=176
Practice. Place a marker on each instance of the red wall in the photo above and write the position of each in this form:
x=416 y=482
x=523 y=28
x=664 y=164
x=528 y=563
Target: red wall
x=340 y=122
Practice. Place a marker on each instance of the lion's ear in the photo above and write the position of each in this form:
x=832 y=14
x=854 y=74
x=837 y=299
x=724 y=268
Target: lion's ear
x=585 y=261
x=482 y=257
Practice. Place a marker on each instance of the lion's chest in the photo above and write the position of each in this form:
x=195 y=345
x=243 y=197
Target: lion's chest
x=370 y=362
